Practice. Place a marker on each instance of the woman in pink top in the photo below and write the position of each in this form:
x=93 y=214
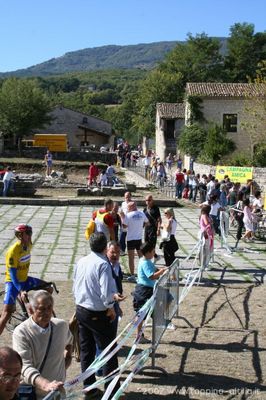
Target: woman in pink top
x=206 y=224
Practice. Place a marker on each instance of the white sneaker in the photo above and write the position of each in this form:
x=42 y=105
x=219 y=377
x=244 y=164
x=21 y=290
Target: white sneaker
x=132 y=279
x=123 y=253
x=171 y=327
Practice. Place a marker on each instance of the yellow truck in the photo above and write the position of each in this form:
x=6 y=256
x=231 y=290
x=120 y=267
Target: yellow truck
x=53 y=142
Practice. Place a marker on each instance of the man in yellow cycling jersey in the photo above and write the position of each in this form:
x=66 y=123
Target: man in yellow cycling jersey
x=17 y=267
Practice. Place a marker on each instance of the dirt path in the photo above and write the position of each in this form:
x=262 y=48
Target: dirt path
x=218 y=350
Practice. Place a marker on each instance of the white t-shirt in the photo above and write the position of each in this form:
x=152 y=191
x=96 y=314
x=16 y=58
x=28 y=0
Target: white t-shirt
x=210 y=186
x=214 y=209
x=134 y=221
x=8 y=176
x=257 y=204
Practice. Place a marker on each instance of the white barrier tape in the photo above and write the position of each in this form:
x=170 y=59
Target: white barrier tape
x=144 y=356
x=128 y=360
x=195 y=272
x=103 y=357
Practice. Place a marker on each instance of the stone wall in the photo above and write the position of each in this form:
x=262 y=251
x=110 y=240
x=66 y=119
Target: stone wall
x=38 y=153
x=259 y=174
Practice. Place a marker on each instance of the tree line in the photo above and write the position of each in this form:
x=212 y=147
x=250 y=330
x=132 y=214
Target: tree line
x=127 y=98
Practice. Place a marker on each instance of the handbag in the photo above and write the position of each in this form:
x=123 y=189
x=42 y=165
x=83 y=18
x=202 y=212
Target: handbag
x=74 y=329
x=28 y=392
x=165 y=235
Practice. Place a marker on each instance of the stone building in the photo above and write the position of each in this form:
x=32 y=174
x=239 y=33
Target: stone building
x=82 y=130
x=170 y=118
x=238 y=107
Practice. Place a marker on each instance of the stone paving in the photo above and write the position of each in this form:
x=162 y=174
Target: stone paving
x=58 y=242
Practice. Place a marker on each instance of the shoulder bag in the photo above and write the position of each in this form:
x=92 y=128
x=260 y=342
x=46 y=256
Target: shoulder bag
x=28 y=392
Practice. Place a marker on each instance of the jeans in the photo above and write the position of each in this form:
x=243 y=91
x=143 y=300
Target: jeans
x=179 y=190
x=7 y=184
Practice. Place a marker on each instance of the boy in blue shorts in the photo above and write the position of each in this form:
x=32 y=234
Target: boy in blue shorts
x=147 y=276
x=17 y=267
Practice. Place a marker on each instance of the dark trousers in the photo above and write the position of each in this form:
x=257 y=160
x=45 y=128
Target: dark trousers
x=216 y=224
x=95 y=329
x=169 y=249
x=240 y=226
x=150 y=234
x=123 y=236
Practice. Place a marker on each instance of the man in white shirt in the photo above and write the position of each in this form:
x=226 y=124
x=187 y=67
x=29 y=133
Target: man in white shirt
x=7 y=180
x=95 y=294
x=147 y=165
x=135 y=220
x=210 y=186
x=127 y=197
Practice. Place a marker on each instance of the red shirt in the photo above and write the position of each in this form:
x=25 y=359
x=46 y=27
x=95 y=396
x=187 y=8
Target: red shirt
x=180 y=178
x=93 y=171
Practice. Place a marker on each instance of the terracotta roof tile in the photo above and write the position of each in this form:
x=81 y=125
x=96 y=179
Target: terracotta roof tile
x=171 y=110
x=209 y=89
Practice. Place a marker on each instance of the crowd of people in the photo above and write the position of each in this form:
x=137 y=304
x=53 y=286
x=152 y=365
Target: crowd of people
x=42 y=344
x=103 y=177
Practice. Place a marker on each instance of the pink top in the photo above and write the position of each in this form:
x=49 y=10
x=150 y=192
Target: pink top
x=206 y=226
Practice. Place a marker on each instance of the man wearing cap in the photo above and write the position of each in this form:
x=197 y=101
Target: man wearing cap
x=135 y=220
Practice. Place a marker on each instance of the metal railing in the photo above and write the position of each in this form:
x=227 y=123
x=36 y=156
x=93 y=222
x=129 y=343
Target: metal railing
x=164 y=185
x=166 y=294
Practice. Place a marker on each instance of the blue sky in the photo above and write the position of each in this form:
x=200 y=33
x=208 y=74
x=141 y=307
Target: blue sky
x=33 y=31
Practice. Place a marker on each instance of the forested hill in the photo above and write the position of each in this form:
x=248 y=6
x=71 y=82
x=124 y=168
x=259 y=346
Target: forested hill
x=143 y=56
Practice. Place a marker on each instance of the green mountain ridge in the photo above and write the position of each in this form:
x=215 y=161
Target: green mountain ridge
x=141 y=56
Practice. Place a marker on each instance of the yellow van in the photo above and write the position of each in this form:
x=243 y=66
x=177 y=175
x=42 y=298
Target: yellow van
x=52 y=142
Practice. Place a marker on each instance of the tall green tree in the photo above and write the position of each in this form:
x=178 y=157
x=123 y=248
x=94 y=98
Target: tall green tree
x=245 y=50
x=23 y=106
x=216 y=145
x=208 y=143
x=192 y=139
x=196 y=60
x=255 y=114
x=159 y=86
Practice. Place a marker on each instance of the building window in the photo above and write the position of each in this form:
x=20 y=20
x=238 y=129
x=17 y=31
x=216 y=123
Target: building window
x=230 y=122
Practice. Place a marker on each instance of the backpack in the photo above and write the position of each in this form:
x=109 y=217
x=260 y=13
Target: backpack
x=90 y=229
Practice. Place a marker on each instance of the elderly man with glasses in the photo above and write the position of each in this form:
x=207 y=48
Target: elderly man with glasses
x=10 y=373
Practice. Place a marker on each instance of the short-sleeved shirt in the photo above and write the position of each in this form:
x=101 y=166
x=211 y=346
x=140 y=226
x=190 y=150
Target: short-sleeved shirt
x=18 y=257
x=134 y=221
x=108 y=219
x=153 y=214
x=146 y=269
